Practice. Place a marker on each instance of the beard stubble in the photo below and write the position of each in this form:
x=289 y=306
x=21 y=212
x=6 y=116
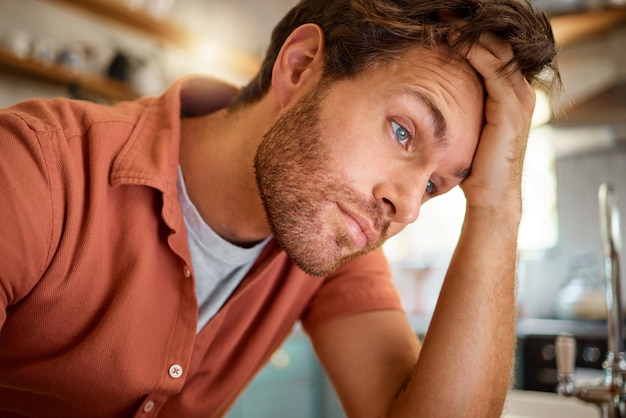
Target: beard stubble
x=293 y=169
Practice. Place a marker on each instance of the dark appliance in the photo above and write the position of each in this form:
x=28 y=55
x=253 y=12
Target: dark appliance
x=535 y=368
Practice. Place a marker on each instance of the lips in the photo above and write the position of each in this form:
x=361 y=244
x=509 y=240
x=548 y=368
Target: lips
x=359 y=228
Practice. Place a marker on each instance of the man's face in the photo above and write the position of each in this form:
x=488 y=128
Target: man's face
x=351 y=162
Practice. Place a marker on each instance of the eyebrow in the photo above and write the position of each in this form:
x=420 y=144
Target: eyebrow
x=439 y=121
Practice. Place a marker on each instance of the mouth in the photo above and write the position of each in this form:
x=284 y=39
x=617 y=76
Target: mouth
x=359 y=228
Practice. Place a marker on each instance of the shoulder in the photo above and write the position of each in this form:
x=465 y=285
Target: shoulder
x=73 y=117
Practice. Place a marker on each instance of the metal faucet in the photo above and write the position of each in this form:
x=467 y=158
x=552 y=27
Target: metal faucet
x=609 y=391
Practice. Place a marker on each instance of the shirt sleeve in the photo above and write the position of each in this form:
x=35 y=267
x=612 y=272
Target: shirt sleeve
x=25 y=208
x=359 y=285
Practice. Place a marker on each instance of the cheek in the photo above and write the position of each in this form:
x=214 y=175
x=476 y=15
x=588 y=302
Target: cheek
x=355 y=159
x=353 y=135
x=358 y=152
x=363 y=173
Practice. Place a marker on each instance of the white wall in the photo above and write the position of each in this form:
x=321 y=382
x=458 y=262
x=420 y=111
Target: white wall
x=579 y=178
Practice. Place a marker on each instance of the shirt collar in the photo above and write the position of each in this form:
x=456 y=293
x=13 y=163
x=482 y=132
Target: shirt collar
x=150 y=156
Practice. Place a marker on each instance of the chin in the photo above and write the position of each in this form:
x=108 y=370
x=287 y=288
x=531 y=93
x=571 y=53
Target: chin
x=315 y=263
x=323 y=261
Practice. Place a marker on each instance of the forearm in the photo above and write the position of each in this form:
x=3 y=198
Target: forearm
x=465 y=365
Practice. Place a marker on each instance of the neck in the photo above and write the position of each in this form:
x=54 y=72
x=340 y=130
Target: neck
x=217 y=161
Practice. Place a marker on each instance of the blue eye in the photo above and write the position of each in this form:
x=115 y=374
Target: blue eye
x=402 y=134
x=430 y=187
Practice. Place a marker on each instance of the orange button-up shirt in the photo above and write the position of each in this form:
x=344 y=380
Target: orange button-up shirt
x=98 y=309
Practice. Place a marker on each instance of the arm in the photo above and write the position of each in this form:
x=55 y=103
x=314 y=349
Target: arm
x=470 y=344
x=465 y=364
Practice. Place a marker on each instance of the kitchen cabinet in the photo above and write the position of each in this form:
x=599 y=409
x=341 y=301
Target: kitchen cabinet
x=292 y=384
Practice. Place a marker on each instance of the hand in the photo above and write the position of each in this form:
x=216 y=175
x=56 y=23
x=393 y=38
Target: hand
x=495 y=179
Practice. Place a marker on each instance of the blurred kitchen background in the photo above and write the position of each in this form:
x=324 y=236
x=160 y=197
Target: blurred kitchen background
x=111 y=50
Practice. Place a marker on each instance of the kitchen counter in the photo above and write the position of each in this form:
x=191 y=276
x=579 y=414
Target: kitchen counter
x=535 y=326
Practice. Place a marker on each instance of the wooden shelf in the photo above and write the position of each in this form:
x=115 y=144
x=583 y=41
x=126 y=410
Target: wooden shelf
x=134 y=18
x=571 y=28
x=568 y=29
x=61 y=75
x=239 y=61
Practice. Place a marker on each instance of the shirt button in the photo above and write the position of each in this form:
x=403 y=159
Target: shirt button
x=176 y=371
x=149 y=406
x=186 y=271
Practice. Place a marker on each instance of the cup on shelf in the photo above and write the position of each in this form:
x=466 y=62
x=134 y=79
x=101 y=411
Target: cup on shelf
x=146 y=78
x=17 y=42
x=72 y=56
x=43 y=49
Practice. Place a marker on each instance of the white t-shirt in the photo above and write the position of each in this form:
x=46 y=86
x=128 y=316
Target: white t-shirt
x=218 y=265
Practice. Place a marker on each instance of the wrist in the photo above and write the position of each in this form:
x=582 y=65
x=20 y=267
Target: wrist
x=504 y=201
x=504 y=214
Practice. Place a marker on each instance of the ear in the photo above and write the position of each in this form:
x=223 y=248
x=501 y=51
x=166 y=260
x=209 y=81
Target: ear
x=299 y=63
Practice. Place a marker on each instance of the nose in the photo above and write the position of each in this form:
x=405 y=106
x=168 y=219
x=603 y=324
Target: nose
x=401 y=200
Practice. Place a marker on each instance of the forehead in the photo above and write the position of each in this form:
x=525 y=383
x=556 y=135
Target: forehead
x=434 y=79
x=421 y=64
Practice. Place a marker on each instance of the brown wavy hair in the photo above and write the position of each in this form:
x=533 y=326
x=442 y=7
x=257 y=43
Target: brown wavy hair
x=361 y=33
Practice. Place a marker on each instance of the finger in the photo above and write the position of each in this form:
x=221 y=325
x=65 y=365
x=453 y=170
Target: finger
x=488 y=56
x=498 y=47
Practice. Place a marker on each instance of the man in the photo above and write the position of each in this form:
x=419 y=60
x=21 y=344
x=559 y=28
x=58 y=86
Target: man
x=155 y=253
